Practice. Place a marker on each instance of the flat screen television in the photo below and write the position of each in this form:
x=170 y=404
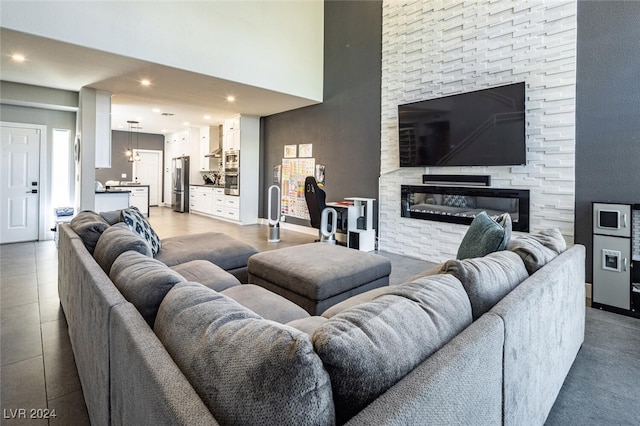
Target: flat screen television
x=480 y=128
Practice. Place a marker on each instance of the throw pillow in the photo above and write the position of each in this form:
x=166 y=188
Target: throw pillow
x=115 y=241
x=247 y=370
x=139 y=224
x=370 y=347
x=487 y=279
x=89 y=226
x=143 y=281
x=536 y=250
x=504 y=220
x=484 y=236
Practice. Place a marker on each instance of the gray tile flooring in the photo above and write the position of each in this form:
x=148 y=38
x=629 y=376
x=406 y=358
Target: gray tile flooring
x=37 y=369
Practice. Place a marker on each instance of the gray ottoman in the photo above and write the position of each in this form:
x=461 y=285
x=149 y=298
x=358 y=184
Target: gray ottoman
x=316 y=276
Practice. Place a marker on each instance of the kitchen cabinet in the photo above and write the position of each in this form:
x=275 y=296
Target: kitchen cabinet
x=242 y=133
x=202 y=200
x=231 y=140
x=193 y=195
x=231 y=208
x=204 y=150
x=138 y=196
x=218 y=202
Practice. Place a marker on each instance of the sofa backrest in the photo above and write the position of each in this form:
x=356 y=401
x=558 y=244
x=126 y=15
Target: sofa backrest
x=246 y=369
x=487 y=279
x=143 y=281
x=460 y=384
x=369 y=347
x=116 y=240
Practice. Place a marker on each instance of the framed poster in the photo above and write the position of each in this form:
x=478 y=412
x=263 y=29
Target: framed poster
x=294 y=173
x=290 y=151
x=305 y=150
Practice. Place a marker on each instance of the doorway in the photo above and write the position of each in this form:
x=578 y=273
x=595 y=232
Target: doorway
x=148 y=171
x=20 y=182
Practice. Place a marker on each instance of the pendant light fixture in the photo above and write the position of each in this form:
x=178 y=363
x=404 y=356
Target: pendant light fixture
x=130 y=152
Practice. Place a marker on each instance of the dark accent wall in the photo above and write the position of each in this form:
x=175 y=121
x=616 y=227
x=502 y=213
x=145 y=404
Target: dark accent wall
x=607 y=110
x=119 y=162
x=345 y=128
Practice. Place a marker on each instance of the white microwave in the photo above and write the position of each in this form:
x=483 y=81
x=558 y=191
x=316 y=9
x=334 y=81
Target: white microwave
x=608 y=219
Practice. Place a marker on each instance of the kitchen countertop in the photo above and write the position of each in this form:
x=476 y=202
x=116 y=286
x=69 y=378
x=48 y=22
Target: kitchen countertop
x=207 y=185
x=111 y=191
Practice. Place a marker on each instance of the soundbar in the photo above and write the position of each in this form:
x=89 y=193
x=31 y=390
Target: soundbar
x=475 y=180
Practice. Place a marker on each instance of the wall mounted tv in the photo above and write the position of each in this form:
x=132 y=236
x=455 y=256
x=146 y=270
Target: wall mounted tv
x=480 y=128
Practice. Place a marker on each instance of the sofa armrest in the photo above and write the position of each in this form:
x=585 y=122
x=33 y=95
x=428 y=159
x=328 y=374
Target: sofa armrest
x=459 y=384
x=544 y=319
x=147 y=387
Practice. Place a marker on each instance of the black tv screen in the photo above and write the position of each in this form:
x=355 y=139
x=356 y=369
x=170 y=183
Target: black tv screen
x=480 y=128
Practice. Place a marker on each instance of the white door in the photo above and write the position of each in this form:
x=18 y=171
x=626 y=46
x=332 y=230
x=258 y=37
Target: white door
x=19 y=197
x=148 y=171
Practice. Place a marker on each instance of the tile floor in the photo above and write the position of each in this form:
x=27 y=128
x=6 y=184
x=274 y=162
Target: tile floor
x=37 y=368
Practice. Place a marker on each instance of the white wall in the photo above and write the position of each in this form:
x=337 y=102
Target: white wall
x=276 y=45
x=437 y=48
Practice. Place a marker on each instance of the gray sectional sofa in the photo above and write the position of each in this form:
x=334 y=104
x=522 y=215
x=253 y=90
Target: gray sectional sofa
x=477 y=341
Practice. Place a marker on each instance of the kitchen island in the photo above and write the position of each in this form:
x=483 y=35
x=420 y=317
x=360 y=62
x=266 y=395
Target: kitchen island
x=108 y=200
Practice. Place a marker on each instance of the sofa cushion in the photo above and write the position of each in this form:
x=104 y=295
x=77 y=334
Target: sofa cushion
x=487 y=279
x=112 y=217
x=220 y=249
x=143 y=281
x=536 y=250
x=89 y=226
x=139 y=224
x=265 y=303
x=368 y=348
x=207 y=274
x=247 y=370
x=308 y=324
x=115 y=241
x=484 y=236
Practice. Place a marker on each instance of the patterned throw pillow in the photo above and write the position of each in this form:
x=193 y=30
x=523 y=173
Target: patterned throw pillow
x=138 y=224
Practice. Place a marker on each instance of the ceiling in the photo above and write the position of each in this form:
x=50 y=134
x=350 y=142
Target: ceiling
x=189 y=97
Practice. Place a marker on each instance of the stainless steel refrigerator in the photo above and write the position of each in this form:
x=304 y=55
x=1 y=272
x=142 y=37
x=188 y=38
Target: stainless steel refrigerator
x=180 y=184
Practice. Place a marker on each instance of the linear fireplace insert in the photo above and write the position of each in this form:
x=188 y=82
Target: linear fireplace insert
x=455 y=204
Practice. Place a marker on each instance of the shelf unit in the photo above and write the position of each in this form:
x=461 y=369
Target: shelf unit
x=616 y=257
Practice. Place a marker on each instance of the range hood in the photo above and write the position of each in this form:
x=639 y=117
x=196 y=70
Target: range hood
x=216 y=153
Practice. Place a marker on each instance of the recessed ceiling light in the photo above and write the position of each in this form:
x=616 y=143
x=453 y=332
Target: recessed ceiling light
x=231 y=98
x=207 y=117
x=18 y=57
x=145 y=82
x=156 y=110
x=186 y=123
x=164 y=130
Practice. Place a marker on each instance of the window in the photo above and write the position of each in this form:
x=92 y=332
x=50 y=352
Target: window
x=61 y=179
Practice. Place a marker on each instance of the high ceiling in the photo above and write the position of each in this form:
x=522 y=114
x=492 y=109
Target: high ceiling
x=189 y=97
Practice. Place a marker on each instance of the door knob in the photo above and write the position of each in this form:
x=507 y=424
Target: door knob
x=33 y=191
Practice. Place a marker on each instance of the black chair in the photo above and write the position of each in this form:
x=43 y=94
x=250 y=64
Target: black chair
x=316 y=201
